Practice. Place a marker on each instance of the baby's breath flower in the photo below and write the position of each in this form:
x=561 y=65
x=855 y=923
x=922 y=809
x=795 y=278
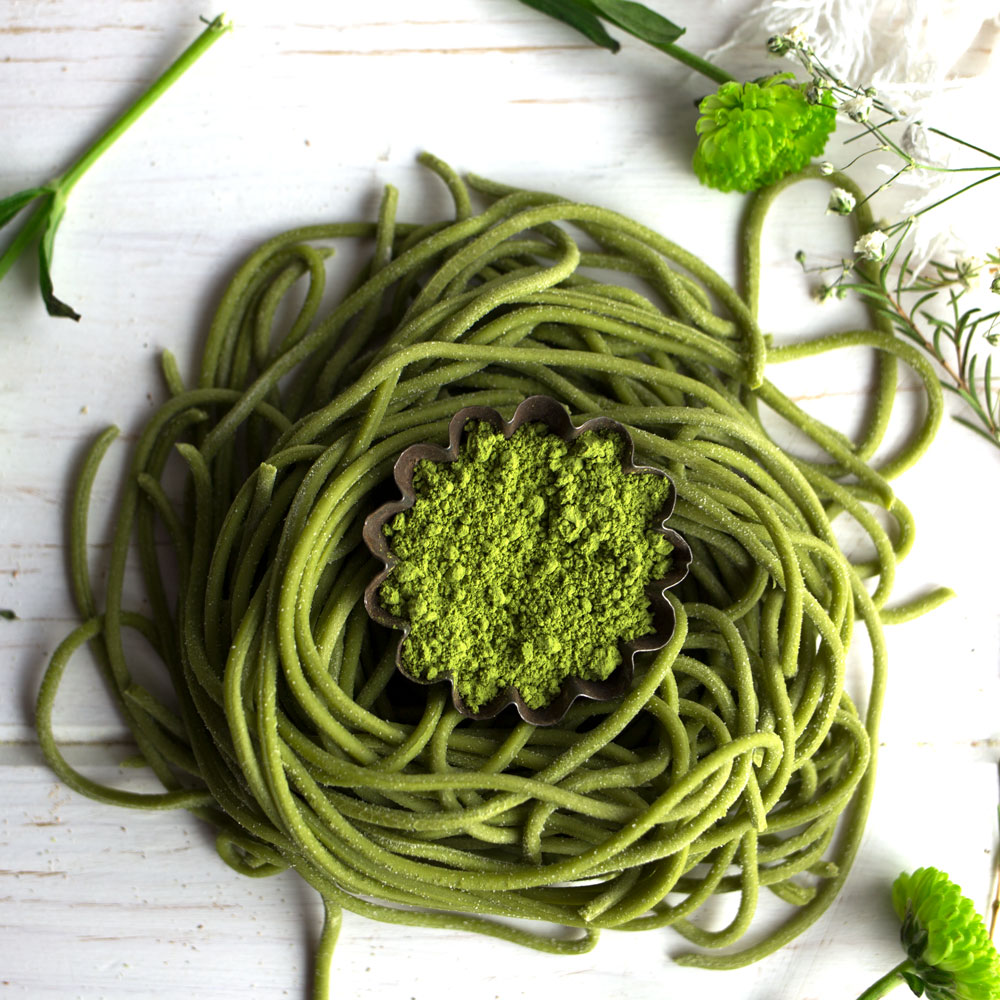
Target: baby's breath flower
x=841 y=202
x=752 y=134
x=797 y=36
x=871 y=246
x=794 y=38
x=826 y=168
x=858 y=108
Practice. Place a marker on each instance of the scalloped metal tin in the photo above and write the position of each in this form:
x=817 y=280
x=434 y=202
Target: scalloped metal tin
x=545 y=410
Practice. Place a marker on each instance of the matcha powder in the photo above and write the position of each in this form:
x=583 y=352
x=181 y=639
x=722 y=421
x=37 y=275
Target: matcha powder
x=524 y=562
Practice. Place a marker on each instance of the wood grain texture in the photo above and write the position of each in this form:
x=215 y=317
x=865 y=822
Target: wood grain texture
x=301 y=116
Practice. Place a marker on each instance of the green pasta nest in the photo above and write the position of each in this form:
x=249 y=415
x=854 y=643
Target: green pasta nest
x=732 y=760
x=945 y=938
x=753 y=134
x=524 y=562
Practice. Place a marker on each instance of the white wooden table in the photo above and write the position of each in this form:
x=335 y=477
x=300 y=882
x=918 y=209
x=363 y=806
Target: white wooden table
x=301 y=115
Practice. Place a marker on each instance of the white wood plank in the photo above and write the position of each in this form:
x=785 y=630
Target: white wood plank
x=303 y=114
x=138 y=902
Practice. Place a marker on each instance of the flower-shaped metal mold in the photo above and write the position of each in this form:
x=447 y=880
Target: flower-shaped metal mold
x=549 y=412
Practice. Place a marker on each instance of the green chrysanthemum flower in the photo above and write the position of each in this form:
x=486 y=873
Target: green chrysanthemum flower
x=945 y=939
x=752 y=134
x=949 y=954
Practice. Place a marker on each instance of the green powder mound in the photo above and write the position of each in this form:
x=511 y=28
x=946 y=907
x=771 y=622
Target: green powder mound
x=525 y=561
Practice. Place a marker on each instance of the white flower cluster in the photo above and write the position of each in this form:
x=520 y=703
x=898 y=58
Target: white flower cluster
x=797 y=36
x=842 y=202
x=858 y=109
x=793 y=38
x=871 y=246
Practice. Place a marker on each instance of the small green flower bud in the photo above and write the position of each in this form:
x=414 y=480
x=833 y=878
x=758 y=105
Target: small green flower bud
x=817 y=94
x=841 y=202
x=968 y=270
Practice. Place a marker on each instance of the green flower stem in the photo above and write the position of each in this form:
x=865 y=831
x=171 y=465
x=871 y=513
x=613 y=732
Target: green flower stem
x=212 y=33
x=51 y=198
x=955 y=194
x=899 y=173
x=962 y=142
x=888 y=982
x=702 y=66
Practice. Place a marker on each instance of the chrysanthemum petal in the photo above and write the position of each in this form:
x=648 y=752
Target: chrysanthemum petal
x=753 y=134
x=945 y=938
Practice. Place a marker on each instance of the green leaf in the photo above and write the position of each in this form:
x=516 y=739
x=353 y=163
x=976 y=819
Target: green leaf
x=914 y=982
x=921 y=302
x=978 y=430
x=971 y=376
x=904 y=272
x=55 y=306
x=576 y=16
x=637 y=19
x=9 y=207
x=971 y=401
x=936 y=340
x=8 y=614
x=894 y=252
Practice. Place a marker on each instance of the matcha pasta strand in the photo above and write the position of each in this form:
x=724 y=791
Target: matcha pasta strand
x=736 y=763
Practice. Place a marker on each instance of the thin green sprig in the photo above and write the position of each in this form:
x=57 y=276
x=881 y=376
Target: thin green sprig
x=50 y=199
x=995 y=905
x=929 y=309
